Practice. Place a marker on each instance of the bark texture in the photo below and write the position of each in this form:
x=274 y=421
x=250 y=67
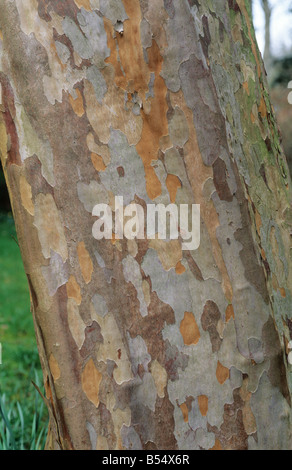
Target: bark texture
x=144 y=345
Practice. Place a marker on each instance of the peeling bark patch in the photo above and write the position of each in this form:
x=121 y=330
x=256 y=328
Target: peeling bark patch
x=9 y=114
x=229 y=313
x=85 y=262
x=220 y=180
x=91 y=380
x=73 y=290
x=50 y=228
x=77 y=103
x=26 y=195
x=189 y=329
x=155 y=125
x=76 y=324
x=232 y=434
x=83 y=4
x=203 y=404
x=210 y=318
x=93 y=338
x=159 y=375
x=273 y=351
x=98 y=162
x=253 y=271
x=173 y=183
x=56 y=274
x=54 y=367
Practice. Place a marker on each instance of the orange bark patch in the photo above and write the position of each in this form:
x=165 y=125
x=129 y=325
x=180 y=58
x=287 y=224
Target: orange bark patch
x=97 y=162
x=120 y=79
x=189 y=329
x=155 y=125
x=229 y=313
x=245 y=87
x=83 y=3
x=263 y=108
x=217 y=445
x=180 y=269
x=91 y=379
x=26 y=195
x=173 y=184
x=222 y=373
x=131 y=51
x=203 y=402
x=282 y=292
x=73 y=290
x=185 y=412
x=54 y=367
x=132 y=74
x=85 y=262
x=77 y=103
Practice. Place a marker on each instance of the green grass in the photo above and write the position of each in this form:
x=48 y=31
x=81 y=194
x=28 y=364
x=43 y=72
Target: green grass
x=21 y=414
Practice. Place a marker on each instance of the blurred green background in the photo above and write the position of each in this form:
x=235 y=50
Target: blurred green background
x=23 y=417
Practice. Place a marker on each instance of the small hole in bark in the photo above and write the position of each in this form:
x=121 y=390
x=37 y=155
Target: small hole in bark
x=121 y=171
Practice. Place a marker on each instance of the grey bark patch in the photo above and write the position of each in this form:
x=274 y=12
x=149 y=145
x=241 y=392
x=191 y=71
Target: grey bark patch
x=114 y=10
x=133 y=182
x=208 y=119
x=269 y=407
x=130 y=438
x=91 y=194
x=178 y=128
x=92 y=434
x=256 y=350
x=139 y=353
x=99 y=84
x=63 y=52
x=79 y=42
x=56 y=274
x=100 y=305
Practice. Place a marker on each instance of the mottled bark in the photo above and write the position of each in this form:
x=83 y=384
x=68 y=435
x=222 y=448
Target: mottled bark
x=144 y=345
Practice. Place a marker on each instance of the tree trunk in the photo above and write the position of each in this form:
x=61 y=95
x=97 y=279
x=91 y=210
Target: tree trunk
x=144 y=344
